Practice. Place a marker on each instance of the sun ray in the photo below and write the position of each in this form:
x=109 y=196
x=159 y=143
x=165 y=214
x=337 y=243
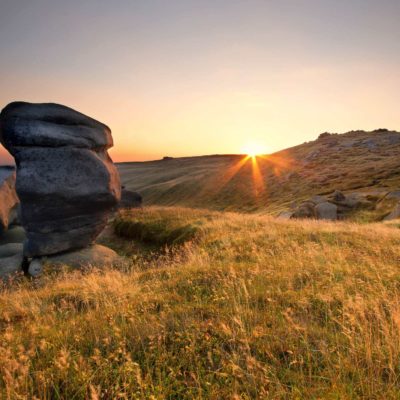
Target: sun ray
x=279 y=163
x=222 y=179
x=232 y=171
x=258 y=165
x=258 y=178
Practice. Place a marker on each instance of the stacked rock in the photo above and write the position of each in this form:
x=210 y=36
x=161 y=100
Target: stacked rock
x=66 y=182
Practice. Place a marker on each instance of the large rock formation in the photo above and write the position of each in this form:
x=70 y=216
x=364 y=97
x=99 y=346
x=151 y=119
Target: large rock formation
x=66 y=181
x=8 y=196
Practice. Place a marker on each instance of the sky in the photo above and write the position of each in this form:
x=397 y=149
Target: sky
x=185 y=77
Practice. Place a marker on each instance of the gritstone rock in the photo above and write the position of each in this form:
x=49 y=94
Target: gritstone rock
x=66 y=182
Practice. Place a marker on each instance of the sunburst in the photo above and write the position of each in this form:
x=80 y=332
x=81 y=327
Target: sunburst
x=259 y=163
x=253 y=149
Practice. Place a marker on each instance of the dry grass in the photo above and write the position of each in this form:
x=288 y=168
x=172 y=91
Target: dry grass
x=252 y=308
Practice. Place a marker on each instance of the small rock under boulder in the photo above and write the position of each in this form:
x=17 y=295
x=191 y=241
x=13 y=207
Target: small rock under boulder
x=35 y=268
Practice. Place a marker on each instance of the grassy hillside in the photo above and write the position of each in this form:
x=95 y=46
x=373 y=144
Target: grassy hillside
x=240 y=307
x=353 y=162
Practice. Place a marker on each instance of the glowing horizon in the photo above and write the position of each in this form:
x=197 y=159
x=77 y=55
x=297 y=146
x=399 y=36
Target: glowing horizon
x=188 y=78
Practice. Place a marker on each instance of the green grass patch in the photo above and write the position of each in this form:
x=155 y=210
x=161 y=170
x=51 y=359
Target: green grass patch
x=155 y=228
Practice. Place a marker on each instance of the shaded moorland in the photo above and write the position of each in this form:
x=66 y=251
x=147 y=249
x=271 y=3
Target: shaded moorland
x=215 y=306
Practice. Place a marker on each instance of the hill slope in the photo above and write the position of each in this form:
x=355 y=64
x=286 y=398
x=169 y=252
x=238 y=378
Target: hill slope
x=250 y=307
x=357 y=161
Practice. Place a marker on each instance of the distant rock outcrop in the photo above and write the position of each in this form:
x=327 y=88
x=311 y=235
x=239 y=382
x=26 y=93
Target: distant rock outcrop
x=326 y=210
x=394 y=214
x=305 y=210
x=316 y=208
x=338 y=196
x=66 y=181
x=339 y=206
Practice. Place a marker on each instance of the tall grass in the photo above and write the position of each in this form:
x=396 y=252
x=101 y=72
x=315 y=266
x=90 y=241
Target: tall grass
x=251 y=308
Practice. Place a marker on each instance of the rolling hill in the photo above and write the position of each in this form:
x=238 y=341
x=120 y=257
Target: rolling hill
x=366 y=163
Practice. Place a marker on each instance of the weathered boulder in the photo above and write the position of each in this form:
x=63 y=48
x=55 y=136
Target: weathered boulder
x=317 y=207
x=93 y=256
x=393 y=195
x=338 y=196
x=10 y=249
x=8 y=197
x=15 y=234
x=326 y=210
x=11 y=257
x=285 y=214
x=11 y=265
x=352 y=200
x=369 y=143
x=130 y=199
x=305 y=210
x=394 y=214
x=318 y=199
x=66 y=181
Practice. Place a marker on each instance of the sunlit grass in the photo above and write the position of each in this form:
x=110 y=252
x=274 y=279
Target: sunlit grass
x=249 y=307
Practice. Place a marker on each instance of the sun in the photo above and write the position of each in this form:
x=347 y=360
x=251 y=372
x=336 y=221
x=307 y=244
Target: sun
x=253 y=149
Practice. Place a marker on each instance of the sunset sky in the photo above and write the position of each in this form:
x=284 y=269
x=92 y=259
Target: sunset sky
x=183 y=77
